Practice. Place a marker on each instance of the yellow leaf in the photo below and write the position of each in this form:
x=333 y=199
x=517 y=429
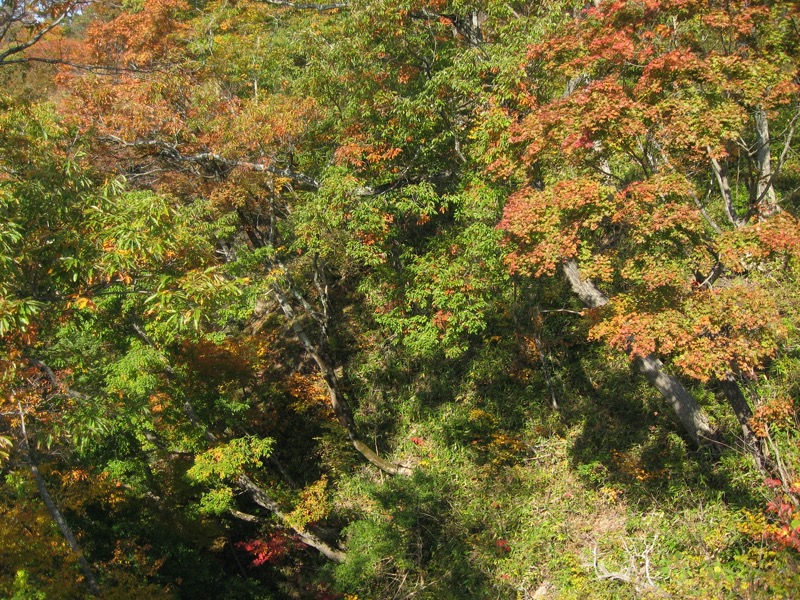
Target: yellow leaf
x=83 y=303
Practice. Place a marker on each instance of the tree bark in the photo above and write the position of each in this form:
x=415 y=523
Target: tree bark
x=260 y=497
x=721 y=175
x=691 y=415
x=339 y=403
x=283 y=294
x=763 y=199
x=741 y=408
x=56 y=513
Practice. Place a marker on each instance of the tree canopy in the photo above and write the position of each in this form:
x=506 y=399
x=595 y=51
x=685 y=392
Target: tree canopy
x=366 y=299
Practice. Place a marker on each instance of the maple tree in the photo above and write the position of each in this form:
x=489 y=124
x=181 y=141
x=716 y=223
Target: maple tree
x=662 y=100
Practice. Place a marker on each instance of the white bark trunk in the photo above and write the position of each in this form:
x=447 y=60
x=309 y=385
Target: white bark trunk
x=691 y=415
x=765 y=202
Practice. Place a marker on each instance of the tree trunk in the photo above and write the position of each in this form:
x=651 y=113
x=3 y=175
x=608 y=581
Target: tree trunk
x=260 y=497
x=721 y=174
x=691 y=415
x=339 y=403
x=741 y=409
x=763 y=199
x=56 y=514
x=338 y=400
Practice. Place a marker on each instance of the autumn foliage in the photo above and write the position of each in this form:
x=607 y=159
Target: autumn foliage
x=653 y=95
x=348 y=299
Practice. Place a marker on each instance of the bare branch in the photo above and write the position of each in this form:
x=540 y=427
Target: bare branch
x=25 y=45
x=781 y=160
x=60 y=389
x=787 y=143
x=716 y=271
x=402 y=181
x=637 y=573
x=562 y=310
x=721 y=174
x=305 y=5
x=55 y=512
x=705 y=214
x=96 y=69
x=338 y=400
x=467 y=26
x=260 y=497
x=51 y=376
x=244 y=516
x=216 y=162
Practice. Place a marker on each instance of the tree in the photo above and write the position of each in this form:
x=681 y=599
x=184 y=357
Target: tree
x=24 y=23
x=82 y=262
x=660 y=97
x=296 y=157
x=250 y=249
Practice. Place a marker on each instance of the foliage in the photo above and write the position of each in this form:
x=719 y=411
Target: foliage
x=244 y=245
x=623 y=155
x=268 y=551
x=227 y=460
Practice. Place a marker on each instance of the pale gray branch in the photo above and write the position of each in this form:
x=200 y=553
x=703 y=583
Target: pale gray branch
x=55 y=512
x=34 y=40
x=721 y=175
x=306 y=5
